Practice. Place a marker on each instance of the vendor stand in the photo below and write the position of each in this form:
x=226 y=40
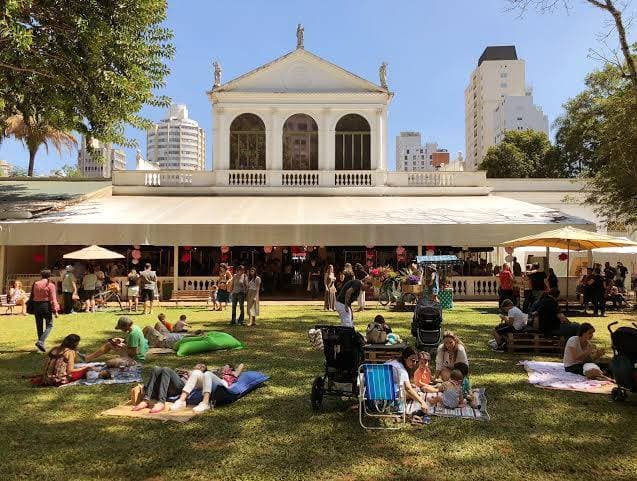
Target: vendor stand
x=444 y=265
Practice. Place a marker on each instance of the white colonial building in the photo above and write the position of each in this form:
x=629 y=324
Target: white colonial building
x=297 y=117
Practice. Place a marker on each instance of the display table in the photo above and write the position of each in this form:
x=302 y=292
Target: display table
x=446 y=298
x=380 y=353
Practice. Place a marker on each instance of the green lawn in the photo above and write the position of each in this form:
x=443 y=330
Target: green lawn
x=534 y=434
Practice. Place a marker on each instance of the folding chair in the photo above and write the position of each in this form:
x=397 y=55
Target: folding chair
x=378 y=397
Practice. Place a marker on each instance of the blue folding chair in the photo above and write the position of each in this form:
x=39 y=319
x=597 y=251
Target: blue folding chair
x=378 y=396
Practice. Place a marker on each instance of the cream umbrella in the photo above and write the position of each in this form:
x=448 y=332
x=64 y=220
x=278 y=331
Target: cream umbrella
x=93 y=253
x=570 y=238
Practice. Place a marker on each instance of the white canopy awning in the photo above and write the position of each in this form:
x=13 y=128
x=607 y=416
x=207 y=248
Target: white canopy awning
x=337 y=221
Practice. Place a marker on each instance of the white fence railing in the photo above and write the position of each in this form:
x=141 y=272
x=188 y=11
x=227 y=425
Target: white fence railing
x=296 y=178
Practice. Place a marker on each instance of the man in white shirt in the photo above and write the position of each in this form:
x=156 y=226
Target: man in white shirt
x=514 y=320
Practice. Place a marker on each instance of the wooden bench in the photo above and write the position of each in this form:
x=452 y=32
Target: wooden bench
x=380 y=353
x=190 y=296
x=4 y=302
x=534 y=342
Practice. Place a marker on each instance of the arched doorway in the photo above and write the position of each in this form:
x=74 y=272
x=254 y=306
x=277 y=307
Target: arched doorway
x=247 y=143
x=353 y=141
x=300 y=143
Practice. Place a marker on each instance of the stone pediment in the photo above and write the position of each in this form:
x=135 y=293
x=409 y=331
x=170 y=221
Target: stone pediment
x=300 y=71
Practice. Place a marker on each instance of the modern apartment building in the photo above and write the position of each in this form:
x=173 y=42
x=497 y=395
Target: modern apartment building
x=414 y=156
x=102 y=161
x=499 y=74
x=517 y=112
x=177 y=142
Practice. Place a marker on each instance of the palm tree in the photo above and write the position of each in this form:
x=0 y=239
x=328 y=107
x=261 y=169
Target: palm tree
x=34 y=133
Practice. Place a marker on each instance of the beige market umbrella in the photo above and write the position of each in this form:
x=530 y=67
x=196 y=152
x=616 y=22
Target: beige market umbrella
x=92 y=253
x=570 y=238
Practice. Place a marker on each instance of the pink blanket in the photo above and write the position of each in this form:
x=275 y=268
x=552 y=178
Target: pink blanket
x=551 y=375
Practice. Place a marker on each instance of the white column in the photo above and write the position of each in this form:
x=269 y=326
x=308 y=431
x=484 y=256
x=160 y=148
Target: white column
x=275 y=162
x=381 y=158
x=175 y=267
x=217 y=139
x=327 y=160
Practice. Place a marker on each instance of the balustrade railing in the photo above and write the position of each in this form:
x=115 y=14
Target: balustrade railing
x=300 y=179
x=354 y=179
x=247 y=178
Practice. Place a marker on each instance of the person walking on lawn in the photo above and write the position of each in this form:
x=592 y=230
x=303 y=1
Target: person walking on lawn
x=45 y=307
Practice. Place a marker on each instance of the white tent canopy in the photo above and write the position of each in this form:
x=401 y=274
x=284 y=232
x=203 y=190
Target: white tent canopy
x=298 y=220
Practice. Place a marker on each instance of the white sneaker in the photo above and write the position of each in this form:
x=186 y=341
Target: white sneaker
x=178 y=404
x=201 y=407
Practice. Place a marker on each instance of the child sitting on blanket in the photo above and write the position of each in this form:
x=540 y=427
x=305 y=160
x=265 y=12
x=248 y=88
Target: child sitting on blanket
x=182 y=325
x=451 y=391
x=467 y=393
x=163 y=325
x=422 y=375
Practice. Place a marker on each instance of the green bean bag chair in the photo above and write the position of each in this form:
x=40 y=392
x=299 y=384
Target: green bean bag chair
x=213 y=341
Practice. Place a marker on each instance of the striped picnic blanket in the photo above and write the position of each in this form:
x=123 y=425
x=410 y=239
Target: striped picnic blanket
x=466 y=412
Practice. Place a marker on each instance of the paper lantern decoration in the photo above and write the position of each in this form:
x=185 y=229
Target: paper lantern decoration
x=137 y=247
x=136 y=254
x=508 y=258
x=187 y=248
x=400 y=250
x=563 y=256
x=185 y=257
x=135 y=261
x=430 y=252
x=430 y=248
x=508 y=250
x=38 y=258
x=285 y=251
x=267 y=249
x=369 y=247
x=225 y=249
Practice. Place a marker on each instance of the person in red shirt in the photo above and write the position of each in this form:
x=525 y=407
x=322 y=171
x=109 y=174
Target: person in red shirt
x=422 y=375
x=45 y=307
x=506 y=284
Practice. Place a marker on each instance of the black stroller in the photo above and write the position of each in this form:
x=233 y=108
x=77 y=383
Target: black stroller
x=343 y=349
x=624 y=340
x=426 y=325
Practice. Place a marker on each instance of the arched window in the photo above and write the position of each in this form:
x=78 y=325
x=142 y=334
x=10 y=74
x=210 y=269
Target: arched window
x=300 y=143
x=352 y=149
x=247 y=143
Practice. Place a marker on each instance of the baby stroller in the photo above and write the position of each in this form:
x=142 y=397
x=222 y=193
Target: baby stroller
x=426 y=325
x=624 y=340
x=343 y=349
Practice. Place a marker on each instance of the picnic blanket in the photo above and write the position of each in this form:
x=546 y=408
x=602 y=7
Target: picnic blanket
x=126 y=410
x=466 y=412
x=155 y=351
x=551 y=375
x=118 y=376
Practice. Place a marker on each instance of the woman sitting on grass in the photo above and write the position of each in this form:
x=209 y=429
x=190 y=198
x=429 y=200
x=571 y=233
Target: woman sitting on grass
x=59 y=367
x=580 y=354
x=450 y=352
x=403 y=367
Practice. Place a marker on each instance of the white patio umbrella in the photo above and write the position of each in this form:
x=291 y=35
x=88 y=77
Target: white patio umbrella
x=570 y=238
x=92 y=253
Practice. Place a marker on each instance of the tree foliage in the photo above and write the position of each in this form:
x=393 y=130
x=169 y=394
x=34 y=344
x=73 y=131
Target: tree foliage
x=83 y=65
x=524 y=153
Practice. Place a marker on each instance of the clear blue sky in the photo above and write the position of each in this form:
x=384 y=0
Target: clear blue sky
x=431 y=47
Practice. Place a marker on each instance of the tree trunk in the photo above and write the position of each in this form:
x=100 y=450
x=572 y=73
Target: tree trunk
x=32 y=153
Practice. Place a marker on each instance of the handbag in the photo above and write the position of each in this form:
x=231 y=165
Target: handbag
x=30 y=302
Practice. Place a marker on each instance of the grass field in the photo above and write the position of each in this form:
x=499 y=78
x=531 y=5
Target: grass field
x=272 y=434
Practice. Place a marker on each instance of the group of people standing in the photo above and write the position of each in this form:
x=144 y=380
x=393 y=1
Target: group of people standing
x=244 y=285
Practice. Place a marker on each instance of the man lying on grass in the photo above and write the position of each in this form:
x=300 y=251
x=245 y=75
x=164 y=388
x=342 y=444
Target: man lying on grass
x=129 y=350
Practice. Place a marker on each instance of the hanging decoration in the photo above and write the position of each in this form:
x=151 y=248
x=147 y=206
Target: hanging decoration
x=508 y=250
x=135 y=261
x=508 y=258
x=185 y=257
x=309 y=248
x=563 y=256
x=187 y=248
x=370 y=264
x=267 y=249
x=225 y=249
x=137 y=247
x=136 y=254
x=38 y=258
x=430 y=252
x=285 y=251
x=369 y=246
x=400 y=250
